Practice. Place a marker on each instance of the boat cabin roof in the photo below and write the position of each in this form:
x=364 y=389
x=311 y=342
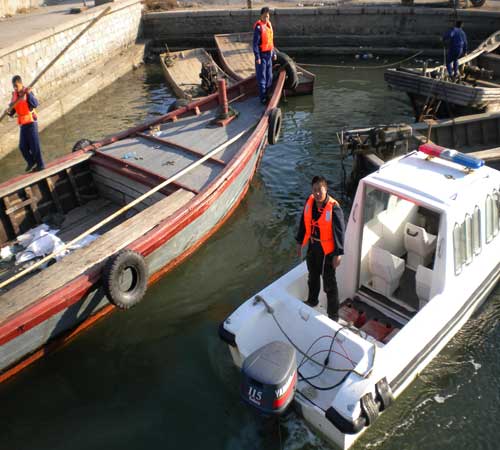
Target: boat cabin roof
x=434 y=181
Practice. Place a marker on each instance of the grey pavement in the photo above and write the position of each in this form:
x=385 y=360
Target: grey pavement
x=21 y=26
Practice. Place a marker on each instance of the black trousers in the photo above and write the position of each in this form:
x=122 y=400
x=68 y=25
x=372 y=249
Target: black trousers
x=320 y=265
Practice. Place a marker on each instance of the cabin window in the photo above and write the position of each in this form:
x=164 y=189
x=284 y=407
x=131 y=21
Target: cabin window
x=476 y=230
x=376 y=201
x=495 y=212
x=458 y=247
x=467 y=234
x=491 y=216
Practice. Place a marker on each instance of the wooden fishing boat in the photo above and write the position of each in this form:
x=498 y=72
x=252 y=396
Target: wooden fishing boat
x=476 y=135
x=433 y=93
x=183 y=72
x=238 y=61
x=180 y=177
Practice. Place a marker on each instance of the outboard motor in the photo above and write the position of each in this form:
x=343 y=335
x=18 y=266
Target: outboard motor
x=270 y=378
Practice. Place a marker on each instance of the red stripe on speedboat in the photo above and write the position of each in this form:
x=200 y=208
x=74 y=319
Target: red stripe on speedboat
x=280 y=401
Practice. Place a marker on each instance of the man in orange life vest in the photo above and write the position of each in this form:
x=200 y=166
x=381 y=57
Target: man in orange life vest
x=23 y=104
x=322 y=227
x=263 y=49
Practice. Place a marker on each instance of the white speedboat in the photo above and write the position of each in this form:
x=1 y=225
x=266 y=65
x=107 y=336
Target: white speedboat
x=423 y=250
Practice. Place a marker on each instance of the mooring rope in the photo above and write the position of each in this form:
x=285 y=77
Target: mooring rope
x=345 y=66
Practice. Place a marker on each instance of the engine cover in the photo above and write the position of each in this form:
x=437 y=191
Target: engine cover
x=270 y=378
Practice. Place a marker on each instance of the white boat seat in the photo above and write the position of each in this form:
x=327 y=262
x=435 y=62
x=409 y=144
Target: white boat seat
x=423 y=284
x=420 y=246
x=386 y=270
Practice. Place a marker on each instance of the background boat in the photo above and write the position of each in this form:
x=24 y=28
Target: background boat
x=432 y=93
x=238 y=61
x=182 y=72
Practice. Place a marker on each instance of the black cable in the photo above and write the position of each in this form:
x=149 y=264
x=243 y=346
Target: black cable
x=320 y=388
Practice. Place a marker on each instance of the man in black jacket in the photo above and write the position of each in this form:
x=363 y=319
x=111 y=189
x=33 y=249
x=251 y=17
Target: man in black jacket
x=322 y=228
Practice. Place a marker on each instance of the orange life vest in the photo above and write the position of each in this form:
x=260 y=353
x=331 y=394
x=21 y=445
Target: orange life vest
x=324 y=223
x=266 y=35
x=22 y=108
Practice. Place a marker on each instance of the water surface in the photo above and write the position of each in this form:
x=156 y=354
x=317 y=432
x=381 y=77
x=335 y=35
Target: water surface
x=157 y=377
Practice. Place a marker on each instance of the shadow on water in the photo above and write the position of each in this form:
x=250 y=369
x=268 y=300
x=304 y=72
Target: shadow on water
x=158 y=376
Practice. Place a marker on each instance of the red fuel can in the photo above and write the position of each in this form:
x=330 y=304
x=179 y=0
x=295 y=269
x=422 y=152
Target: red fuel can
x=351 y=314
x=377 y=329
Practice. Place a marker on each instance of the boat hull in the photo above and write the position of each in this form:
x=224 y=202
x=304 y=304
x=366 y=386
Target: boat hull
x=164 y=247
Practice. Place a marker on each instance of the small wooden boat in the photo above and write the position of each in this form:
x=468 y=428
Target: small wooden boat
x=179 y=176
x=183 y=73
x=424 y=240
x=237 y=60
x=432 y=93
x=476 y=135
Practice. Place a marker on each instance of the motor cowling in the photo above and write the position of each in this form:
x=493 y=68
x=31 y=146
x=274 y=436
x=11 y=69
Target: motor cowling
x=270 y=378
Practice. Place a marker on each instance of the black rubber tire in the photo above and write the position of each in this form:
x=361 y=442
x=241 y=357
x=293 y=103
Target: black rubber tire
x=82 y=143
x=179 y=103
x=477 y=3
x=369 y=409
x=115 y=269
x=274 y=128
x=292 y=77
x=384 y=396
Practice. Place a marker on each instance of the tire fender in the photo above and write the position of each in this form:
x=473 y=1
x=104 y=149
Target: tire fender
x=81 y=144
x=125 y=278
x=287 y=63
x=274 y=126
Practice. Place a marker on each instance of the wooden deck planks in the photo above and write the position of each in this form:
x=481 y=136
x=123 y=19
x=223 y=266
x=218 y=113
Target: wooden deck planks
x=197 y=133
x=78 y=262
x=182 y=71
x=37 y=176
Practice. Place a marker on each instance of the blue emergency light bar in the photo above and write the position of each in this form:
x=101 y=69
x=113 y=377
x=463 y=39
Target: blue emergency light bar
x=451 y=155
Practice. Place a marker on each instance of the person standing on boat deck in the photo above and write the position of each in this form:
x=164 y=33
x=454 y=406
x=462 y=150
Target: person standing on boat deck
x=322 y=227
x=263 y=49
x=23 y=103
x=456 y=39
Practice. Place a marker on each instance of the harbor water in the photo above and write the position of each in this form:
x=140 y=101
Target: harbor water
x=157 y=376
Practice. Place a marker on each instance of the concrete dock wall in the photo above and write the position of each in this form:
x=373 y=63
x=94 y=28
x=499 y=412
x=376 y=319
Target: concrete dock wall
x=341 y=28
x=60 y=88
x=11 y=7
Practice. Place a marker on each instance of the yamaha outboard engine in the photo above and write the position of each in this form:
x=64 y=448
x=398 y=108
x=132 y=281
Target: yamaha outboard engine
x=270 y=378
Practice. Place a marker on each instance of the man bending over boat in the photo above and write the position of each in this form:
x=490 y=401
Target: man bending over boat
x=456 y=39
x=322 y=228
x=23 y=103
x=263 y=49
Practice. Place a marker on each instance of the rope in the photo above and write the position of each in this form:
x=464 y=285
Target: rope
x=270 y=310
x=383 y=66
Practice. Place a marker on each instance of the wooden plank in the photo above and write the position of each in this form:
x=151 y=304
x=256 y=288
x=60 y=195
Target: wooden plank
x=54 y=195
x=95 y=254
x=69 y=173
x=493 y=154
x=169 y=143
x=16 y=206
x=35 y=177
x=33 y=207
x=13 y=222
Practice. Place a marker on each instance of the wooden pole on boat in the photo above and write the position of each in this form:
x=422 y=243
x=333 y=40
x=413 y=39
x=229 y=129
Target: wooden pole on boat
x=60 y=54
x=113 y=216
